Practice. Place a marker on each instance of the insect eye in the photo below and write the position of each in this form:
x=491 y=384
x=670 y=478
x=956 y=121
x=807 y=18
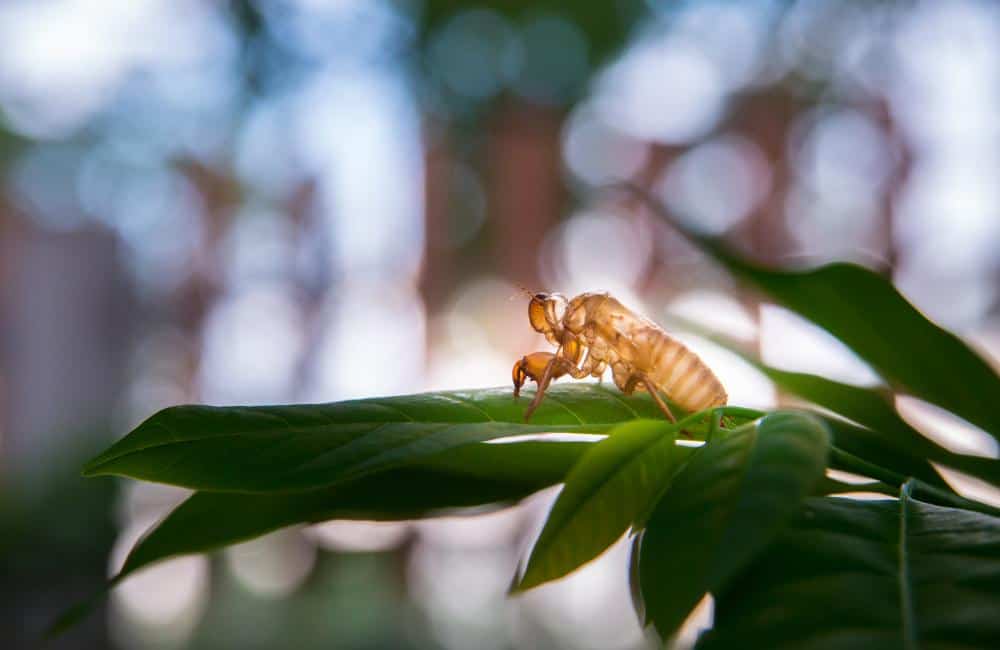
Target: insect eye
x=536 y=314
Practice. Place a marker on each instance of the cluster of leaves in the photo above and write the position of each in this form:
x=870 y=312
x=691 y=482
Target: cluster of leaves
x=747 y=516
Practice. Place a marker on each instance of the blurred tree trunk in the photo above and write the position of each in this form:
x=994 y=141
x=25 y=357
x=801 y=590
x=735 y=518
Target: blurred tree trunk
x=525 y=189
x=65 y=319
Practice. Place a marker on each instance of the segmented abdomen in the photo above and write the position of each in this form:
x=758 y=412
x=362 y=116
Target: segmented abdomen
x=681 y=374
x=643 y=347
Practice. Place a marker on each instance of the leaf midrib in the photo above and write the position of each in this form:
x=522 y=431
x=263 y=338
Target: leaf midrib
x=589 y=495
x=324 y=428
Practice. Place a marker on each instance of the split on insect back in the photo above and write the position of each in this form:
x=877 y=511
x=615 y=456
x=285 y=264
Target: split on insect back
x=594 y=332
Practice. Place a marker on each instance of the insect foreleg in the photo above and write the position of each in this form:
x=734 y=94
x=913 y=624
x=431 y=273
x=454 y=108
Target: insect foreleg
x=557 y=366
x=532 y=366
x=543 y=384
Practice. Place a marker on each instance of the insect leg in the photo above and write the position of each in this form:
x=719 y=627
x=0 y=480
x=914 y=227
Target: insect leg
x=519 y=376
x=532 y=366
x=621 y=375
x=556 y=367
x=654 y=390
x=585 y=369
x=543 y=384
x=659 y=400
x=633 y=382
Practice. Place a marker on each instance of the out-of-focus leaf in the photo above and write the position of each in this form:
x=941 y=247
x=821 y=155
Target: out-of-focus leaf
x=828 y=486
x=634 y=587
x=884 y=438
x=284 y=448
x=604 y=26
x=612 y=484
x=866 y=312
x=468 y=476
x=840 y=459
x=474 y=475
x=886 y=433
x=868 y=574
x=876 y=448
x=731 y=499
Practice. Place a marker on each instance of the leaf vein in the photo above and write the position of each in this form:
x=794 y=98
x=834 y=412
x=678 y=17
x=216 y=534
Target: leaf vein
x=613 y=396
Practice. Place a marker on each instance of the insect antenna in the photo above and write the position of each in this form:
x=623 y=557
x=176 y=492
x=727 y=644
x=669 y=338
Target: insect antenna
x=522 y=290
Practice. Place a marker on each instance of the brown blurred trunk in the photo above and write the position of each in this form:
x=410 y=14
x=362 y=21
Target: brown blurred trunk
x=64 y=334
x=766 y=119
x=438 y=268
x=525 y=191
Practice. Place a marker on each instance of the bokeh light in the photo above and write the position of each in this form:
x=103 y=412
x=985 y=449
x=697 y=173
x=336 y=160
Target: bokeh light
x=717 y=184
x=312 y=200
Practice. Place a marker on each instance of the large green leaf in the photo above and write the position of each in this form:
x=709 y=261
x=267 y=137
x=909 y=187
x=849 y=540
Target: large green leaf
x=840 y=459
x=866 y=312
x=472 y=475
x=876 y=448
x=731 y=499
x=283 y=448
x=611 y=486
x=891 y=434
x=888 y=437
x=885 y=437
x=869 y=574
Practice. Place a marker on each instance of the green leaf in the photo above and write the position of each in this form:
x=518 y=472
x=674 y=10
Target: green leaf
x=284 y=448
x=730 y=500
x=634 y=590
x=878 y=449
x=828 y=486
x=889 y=434
x=914 y=355
x=474 y=475
x=884 y=438
x=613 y=483
x=866 y=312
x=866 y=574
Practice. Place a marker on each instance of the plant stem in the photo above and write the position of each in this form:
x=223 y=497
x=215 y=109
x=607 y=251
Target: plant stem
x=840 y=459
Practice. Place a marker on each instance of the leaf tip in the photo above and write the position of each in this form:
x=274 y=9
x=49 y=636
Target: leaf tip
x=70 y=618
x=530 y=579
x=515 y=588
x=91 y=469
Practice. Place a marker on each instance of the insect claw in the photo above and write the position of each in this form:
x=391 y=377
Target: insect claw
x=519 y=375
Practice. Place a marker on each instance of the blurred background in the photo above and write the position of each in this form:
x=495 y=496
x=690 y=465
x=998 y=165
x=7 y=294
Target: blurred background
x=311 y=200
